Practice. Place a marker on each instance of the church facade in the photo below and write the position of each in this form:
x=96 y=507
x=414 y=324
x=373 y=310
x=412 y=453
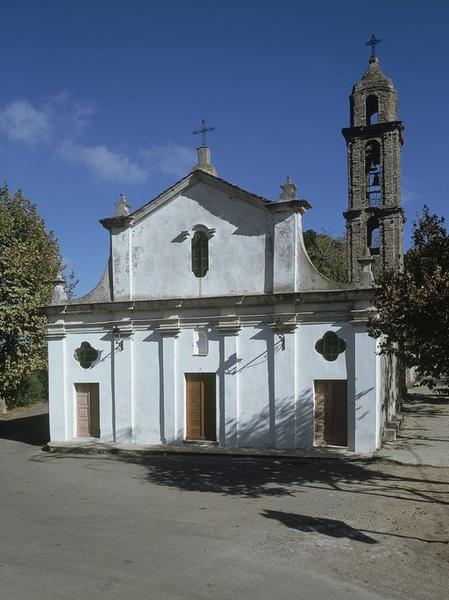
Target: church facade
x=211 y=324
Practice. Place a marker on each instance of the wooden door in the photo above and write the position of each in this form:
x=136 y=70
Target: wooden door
x=87 y=409
x=200 y=406
x=331 y=412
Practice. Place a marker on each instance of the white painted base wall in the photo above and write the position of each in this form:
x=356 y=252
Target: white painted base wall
x=264 y=393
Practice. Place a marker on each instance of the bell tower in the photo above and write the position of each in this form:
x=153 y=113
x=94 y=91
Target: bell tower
x=374 y=219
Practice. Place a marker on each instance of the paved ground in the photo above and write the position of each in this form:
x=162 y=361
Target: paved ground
x=173 y=527
x=424 y=435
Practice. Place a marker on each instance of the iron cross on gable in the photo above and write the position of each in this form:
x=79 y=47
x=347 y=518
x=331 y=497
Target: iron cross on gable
x=373 y=41
x=203 y=130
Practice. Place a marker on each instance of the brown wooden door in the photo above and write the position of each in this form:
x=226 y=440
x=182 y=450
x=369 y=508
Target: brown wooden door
x=87 y=409
x=331 y=412
x=200 y=406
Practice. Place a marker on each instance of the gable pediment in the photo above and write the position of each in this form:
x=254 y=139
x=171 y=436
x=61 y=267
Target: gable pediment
x=193 y=179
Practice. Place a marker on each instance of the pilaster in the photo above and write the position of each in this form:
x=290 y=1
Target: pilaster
x=284 y=384
x=57 y=393
x=228 y=382
x=121 y=262
x=362 y=409
x=122 y=365
x=168 y=396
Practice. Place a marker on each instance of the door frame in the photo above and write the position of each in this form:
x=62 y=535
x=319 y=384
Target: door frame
x=324 y=443
x=75 y=409
x=202 y=376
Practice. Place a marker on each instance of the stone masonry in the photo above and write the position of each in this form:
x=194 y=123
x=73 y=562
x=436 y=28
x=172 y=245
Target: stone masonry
x=374 y=218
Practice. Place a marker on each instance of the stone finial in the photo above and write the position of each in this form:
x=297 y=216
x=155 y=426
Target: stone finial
x=122 y=207
x=288 y=190
x=366 y=273
x=204 y=163
x=59 y=295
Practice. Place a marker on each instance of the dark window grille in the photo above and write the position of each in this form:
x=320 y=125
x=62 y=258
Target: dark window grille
x=330 y=346
x=86 y=355
x=200 y=254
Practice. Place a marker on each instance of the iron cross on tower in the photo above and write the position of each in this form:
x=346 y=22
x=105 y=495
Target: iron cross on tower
x=373 y=41
x=203 y=130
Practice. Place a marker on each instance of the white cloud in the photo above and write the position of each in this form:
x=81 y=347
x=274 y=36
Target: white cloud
x=21 y=122
x=105 y=163
x=410 y=196
x=24 y=122
x=61 y=123
x=170 y=159
x=67 y=115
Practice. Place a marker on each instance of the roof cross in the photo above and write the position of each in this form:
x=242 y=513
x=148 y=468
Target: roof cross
x=373 y=41
x=203 y=130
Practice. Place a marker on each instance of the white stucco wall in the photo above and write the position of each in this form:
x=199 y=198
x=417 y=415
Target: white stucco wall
x=265 y=372
x=264 y=387
x=65 y=372
x=161 y=255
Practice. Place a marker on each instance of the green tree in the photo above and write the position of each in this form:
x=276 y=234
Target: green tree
x=328 y=254
x=413 y=306
x=29 y=261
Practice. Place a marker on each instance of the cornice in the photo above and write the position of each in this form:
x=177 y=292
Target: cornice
x=56 y=332
x=254 y=300
x=121 y=222
x=282 y=326
x=375 y=130
x=362 y=316
x=378 y=211
x=167 y=327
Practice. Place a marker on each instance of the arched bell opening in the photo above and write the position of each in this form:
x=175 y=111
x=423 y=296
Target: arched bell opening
x=373 y=173
x=373 y=236
x=372 y=110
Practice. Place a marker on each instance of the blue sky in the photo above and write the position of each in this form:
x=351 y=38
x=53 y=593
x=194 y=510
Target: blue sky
x=101 y=97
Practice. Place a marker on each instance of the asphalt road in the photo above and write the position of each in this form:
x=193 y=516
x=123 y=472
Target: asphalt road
x=173 y=527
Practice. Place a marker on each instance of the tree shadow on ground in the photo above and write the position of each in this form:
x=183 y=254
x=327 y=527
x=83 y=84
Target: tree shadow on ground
x=329 y=527
x=33 y=430
x=256 y=477
x=429 y=398
x=334 y=528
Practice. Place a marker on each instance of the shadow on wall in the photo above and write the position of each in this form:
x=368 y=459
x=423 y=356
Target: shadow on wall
x=232 y=366
x=240 y=215
x=281 y=424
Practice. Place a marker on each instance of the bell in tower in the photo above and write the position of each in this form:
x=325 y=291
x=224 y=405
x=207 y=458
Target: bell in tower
x=374 y=219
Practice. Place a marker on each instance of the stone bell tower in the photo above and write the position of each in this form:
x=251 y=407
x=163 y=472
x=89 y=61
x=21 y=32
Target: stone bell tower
x=374 y=219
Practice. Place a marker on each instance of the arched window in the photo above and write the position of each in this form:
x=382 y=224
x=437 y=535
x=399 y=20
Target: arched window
x=200 y=253
x=373 y=236
x=372 y=110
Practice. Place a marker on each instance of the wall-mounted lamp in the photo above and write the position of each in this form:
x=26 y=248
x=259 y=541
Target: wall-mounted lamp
x=280 y=333
x=117 y=338
x=282 y=340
